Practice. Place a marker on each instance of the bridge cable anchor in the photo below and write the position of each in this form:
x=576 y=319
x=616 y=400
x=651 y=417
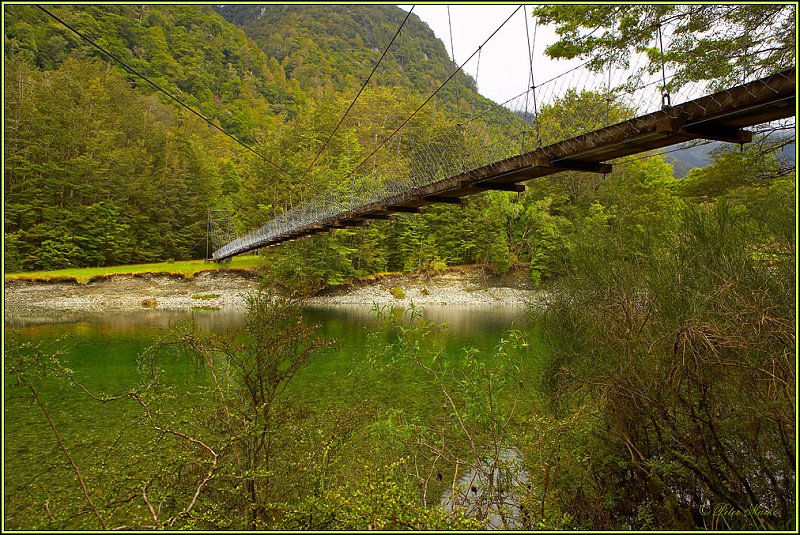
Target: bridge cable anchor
x=665 y=101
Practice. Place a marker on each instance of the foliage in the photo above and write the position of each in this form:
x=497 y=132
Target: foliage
x=397 y=292
x=187 y=268
x=610 y=34
x=733 y=168
x=204 y=296
x=134 y=182
x=385 y=500
x=94 y=176
x=578 y=112
x=216 y=464
x=473 y=440
x=30 y=365
x=670 y=383
x=254 y=421
x=332 y=48
x=677 y=332
x=187 y=50
x=304 y=268
x=239 y=451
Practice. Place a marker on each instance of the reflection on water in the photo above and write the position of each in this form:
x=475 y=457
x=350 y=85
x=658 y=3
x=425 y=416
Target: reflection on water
x=107 y=345
x=104 y=347
x=123 y=320
x=460 y=319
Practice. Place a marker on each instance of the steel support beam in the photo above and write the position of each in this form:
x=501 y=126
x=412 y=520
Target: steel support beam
x=376 y=215
x=519 y=188
x=443 y=200
x=404 y=209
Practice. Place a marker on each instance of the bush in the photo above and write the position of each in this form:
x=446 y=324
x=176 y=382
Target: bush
x=397 y=292
x=683 y=340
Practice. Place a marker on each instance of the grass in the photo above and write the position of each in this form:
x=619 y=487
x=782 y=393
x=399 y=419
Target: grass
x=187 y=268
x=205 y=296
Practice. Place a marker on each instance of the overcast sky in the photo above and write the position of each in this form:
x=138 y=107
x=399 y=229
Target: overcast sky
x=504 y=61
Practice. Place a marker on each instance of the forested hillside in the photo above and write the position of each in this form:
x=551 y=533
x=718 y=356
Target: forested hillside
x=332 y=47
x=102 y=169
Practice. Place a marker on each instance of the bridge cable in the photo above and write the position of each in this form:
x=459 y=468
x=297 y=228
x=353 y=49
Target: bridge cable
x=162 y=90
x=478 y=68
x=609 y=18
x=453 y=55
x=531 y=78
x=359 y=93
x=665 y=100
x=390 y=136
x=608 y=85
x=568 y=71
x=458 y=93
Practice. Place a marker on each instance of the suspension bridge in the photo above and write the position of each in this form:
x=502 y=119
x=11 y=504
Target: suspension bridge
x=470 y=157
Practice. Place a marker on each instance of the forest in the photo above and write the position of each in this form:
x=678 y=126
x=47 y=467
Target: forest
x=666 y=384
x=103 y=170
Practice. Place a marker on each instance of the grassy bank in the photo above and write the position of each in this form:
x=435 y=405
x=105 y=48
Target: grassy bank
x=187 y=268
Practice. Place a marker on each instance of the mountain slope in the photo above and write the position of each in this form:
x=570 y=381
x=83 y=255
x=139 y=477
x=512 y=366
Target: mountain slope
x=335 y=46
x=188 y=50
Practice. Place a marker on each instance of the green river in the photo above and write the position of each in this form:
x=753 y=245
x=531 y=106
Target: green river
x=102 y=349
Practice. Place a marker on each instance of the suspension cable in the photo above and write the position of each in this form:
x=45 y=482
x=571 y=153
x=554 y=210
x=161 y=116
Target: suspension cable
x=453 y=55
x=359 y=93
x=530 y=55
x=390 y=136
x=164 y=91
x=478 y=68
x=531 y=80
x=608 y=85
x=665 y=100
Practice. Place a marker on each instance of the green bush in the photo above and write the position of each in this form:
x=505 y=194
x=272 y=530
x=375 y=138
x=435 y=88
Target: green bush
x=397 y=292
x=682 y=338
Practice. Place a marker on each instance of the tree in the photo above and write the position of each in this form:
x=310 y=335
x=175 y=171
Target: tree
x=732 y=168
x=754 y=40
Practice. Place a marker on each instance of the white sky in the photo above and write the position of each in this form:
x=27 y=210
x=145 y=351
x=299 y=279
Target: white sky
x=504 y=62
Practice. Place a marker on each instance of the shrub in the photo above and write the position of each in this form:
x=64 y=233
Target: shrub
x=397 y=292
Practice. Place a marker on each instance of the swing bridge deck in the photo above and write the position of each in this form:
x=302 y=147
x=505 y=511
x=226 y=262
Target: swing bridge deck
x=721 y=116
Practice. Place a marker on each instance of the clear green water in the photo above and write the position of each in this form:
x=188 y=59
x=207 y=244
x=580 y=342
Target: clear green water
x=103 y=351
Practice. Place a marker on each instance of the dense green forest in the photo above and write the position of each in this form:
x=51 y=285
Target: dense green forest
x=102 y=169
x=664 y=394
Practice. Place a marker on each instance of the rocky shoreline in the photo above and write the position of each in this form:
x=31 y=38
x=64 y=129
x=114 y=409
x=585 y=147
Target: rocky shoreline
x=228 y=290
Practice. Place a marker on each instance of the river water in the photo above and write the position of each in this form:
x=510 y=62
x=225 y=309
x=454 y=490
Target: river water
x=102 y=349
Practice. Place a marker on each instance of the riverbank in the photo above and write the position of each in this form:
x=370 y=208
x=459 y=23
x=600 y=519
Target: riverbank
x=465 y=285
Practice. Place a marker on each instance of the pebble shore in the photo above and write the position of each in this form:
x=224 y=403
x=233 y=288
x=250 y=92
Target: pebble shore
x=220 y=290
